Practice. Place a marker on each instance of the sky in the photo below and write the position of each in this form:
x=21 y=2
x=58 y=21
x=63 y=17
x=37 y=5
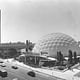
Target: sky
x=23 y=20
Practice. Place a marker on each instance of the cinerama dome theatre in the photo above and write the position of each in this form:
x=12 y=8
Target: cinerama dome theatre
x=54 y=42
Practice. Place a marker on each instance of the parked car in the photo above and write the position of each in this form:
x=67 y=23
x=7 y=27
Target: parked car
x=2 y=65
x=31 y=73
x=1 y=62
x=14 y=67
x=3 y=73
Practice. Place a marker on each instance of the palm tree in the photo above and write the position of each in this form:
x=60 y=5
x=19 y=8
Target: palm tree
x=60 y=57
x=70 y=57
x=75 y=57
x=29 y=46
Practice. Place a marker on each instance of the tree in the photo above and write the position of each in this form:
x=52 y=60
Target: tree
x=75 y=57
x=29 y=45
x=12 y=53
x=60 y=57
x=70 y=57
x=1 y=53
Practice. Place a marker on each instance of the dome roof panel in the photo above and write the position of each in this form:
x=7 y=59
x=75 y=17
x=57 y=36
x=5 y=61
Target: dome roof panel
x=54 y=40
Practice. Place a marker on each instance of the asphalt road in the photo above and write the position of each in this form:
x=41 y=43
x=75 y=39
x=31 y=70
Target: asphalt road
x=21 y=73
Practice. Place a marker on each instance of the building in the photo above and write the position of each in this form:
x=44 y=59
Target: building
x=12 y=45
x=19 y=46
x=55 y=42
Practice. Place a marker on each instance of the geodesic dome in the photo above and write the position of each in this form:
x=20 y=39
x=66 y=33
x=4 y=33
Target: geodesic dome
x=54 y=42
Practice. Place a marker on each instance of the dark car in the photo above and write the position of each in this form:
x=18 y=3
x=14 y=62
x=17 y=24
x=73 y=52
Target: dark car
x=14 y=67
x=31 y=73
x=1 y=62
x=2 y=65
x=3 y=73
